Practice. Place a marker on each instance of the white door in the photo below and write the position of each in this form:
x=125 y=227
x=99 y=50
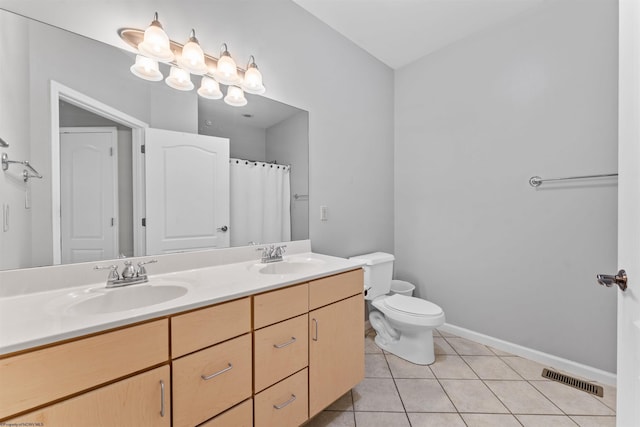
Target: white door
x=88 y=194
x=187 y=191
x=628 y=406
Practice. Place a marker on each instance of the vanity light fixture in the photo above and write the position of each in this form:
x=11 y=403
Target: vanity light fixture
x=153 y=46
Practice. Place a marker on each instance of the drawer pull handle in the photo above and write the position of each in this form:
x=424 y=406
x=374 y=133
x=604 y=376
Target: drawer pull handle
x=287 y=403
x=284 y=344
x=215 y=374
x=161 y=398
x=315 y=336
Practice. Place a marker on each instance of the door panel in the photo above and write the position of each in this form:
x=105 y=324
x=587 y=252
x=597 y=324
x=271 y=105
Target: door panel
x=88 y=194
x=187 y=191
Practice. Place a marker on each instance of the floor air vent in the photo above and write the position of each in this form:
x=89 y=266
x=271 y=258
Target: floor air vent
x=573 y=382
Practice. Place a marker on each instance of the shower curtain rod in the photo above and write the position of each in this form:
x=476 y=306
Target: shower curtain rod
x=536 y=181
x=272 y=162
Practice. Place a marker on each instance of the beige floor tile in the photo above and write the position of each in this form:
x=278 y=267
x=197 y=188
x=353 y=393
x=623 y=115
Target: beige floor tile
x=472 y=396
x=545 y=421
x=441 y=346
x=377 y=394
x=375 y=366
x=609 y=398
x=452 y=367
x=520 y=397
x=570 y=400
x=344 y=403
x=333 y=419
x=491 y=368
x=445 y=334
x=401 y=368
x=490 y=420
x=435 y=420
x=467 y=347
x=370 y=345
x=423 y=395
x=436 y=333
x=528 y=369
x=381 y=419
x=587 y=421
x=499 y=352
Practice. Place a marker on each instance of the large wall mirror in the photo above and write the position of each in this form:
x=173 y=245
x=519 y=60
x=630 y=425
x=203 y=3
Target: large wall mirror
x=131 y=167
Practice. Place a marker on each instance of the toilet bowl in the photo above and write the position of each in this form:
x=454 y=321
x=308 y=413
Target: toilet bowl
x=403 y=324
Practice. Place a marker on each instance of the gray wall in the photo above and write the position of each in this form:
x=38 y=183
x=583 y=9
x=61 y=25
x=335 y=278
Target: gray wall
x=286 y=144
x=350 y=108
x=15 y=243
x=535 y=96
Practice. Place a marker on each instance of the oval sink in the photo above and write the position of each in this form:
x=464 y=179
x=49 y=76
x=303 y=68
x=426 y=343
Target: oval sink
x=126 y=298
x=291 y=267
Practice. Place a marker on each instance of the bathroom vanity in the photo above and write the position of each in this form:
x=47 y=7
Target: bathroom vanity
x=274 y=352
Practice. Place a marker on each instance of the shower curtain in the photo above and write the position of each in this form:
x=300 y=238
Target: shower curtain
x=259 y=202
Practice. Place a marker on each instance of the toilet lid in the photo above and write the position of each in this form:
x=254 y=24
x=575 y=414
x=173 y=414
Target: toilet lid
x=412 y=305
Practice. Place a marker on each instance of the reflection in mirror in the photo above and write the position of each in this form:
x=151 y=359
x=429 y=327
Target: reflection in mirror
x=62 y=138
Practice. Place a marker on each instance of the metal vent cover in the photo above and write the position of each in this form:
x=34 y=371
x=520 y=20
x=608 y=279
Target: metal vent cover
x=573 y=382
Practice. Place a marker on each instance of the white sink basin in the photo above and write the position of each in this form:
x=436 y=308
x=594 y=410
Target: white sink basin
x=294 y=265
x=100 y=301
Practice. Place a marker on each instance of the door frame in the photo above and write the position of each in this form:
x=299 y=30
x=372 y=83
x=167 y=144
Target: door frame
x=58 y=92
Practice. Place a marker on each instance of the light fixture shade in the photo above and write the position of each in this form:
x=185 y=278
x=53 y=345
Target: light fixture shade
x=179 y=79
x=227 y=70
x=156 y=43
x=192 y=57
x=146 y=68
x=252 y=82
x=209 y=88
x=235 y=97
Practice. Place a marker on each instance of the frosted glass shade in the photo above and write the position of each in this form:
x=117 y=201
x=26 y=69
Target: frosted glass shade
x=209 y=88
x=179 y=79
x=192 y=57
x=156 y=43
x=235 y=97
x=146 y=68
x=252 y=82
x=227 y=71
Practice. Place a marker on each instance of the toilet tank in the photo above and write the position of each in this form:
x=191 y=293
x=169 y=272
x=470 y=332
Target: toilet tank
x=378 y=271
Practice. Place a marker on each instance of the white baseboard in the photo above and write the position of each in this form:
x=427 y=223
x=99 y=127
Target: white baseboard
x=549 y=360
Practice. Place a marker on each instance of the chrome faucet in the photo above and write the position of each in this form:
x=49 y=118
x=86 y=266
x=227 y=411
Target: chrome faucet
x=272 y=253
x=130 y=275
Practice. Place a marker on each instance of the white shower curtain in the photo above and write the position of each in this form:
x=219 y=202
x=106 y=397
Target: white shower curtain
x=260 y=202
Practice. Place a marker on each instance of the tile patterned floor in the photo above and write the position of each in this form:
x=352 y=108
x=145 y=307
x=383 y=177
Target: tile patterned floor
x=470 y=385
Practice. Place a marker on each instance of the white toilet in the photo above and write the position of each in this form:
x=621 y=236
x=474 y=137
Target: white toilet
x=403 y=324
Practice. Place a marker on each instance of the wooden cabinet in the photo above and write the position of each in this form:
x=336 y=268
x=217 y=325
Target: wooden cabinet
x=209 y=381
x=262 y=360
x=336 y=345
x=138 y=401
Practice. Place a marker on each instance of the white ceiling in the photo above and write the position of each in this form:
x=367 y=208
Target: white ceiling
x=398 y=32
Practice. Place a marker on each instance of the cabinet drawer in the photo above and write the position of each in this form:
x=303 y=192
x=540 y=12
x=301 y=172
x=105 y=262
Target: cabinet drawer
x=284 y=404
x=41 y=376
x=136 y=401
x=238 y=416
x=210 y=381
x=274 y=306
x=280 y=350
x=334 y=288
x=202 y=328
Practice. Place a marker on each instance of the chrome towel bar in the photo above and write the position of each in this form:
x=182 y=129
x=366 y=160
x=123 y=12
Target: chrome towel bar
x=25 y=174
x=536 y=181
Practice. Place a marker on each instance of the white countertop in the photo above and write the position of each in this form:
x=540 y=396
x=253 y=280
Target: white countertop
x=39 y=318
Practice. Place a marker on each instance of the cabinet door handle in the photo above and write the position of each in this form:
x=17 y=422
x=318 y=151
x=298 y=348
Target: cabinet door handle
x=161 y=398
x=284 y=344
x=215 y=374
x=315 y=336
x=287 y=403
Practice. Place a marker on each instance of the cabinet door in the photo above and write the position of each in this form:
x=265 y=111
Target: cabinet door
x=336 y=351
x=142 y=400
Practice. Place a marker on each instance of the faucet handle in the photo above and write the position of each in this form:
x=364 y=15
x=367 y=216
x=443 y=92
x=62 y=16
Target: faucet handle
x=113 y=273
x=143 y=271
x=280 y=250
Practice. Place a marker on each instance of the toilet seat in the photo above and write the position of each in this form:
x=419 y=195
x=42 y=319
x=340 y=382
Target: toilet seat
x=409 y=310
